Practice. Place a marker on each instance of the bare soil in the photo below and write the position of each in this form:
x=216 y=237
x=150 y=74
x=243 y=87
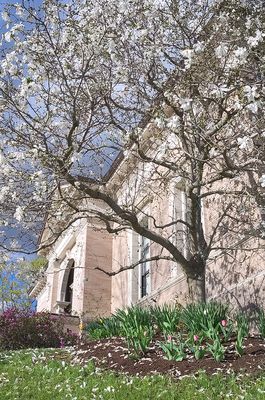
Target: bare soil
x=112 y=354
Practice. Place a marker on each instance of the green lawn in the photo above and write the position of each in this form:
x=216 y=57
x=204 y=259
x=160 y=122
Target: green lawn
x=49 y=375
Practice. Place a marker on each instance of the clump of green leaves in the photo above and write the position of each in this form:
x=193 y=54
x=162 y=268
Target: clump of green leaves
x=138 y=339
x=239 y=341
x=242 y=324
x=103 y=328
x=261 y=323
x=216 y=348
x=196 y=346
x=174 y=348
x=133 y=316
x=136 y=327
x=166 y=318
x=227 y=328
x=200 y=319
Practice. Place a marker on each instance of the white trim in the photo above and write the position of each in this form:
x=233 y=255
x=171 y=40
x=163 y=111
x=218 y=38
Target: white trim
x=39 y=286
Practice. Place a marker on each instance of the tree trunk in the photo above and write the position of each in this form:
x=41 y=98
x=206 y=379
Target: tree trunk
x=196 y=280
x=196 y=289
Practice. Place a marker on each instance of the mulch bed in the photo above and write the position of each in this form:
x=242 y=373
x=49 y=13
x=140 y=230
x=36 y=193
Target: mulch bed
x=112 y=354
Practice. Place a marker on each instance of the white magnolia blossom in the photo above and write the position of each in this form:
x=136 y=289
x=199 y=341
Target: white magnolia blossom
x=188 y=55
x=5 y=16
x=19 y=10
x=236 y=103
x=185 y=103
x=241 y=54
x=237 y=57
x=173 y=122
x=220 y=90
x=8 y=36
x=198 y=47
x=173 y=142
x=160 y=122
x=253 y=107
x=4 y=192
x=253 y=41
x=262 y=180
x=213 y=153
x=248 y=23
x=2 y=159
x=245 y=143
x=19 y=213
x=251 y=92
x=221 y=51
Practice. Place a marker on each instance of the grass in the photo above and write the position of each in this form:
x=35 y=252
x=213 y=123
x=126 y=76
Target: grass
x=51 y=375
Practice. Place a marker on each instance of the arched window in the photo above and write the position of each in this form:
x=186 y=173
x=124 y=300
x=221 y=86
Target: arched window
x=66 y=296
x=69 y=289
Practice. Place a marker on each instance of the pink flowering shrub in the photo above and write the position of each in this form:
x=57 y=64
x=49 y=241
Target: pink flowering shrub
x=27 y=329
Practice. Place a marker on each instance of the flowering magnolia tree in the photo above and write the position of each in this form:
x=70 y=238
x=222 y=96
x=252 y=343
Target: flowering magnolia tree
x=174 y=86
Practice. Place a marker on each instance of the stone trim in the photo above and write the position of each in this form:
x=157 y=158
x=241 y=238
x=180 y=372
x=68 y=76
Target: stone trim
x=35 y=291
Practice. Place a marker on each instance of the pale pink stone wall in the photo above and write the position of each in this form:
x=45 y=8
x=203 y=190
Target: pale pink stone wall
x=120 y=257
x=97 y=285
x=91 y=288
x=47 y=297
x=238 y=279
x=238 y=276
x=161 y=269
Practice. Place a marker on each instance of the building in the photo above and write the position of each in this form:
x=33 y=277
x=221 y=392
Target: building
x=74 y=283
